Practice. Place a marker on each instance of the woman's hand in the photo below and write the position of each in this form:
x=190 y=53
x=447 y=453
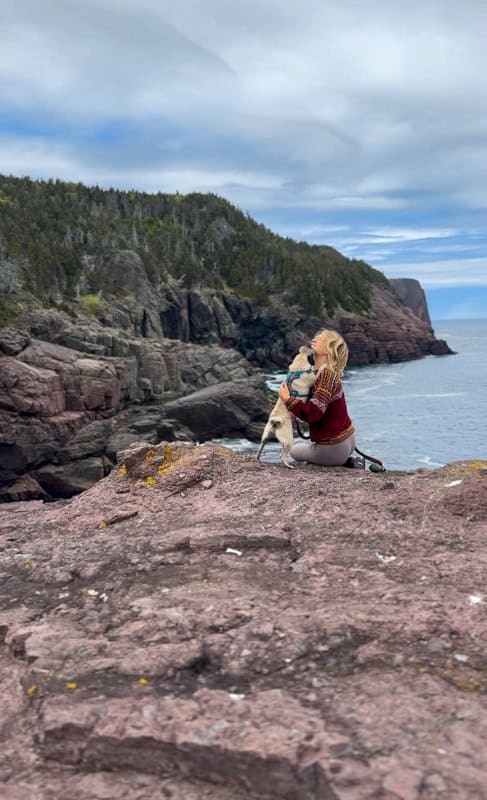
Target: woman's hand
x=284 y=393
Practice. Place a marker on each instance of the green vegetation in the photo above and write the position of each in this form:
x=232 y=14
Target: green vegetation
x=8 y=311
x=199 y=239
x=91 y=304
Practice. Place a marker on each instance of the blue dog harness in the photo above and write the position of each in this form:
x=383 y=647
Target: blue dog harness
x=291 y=376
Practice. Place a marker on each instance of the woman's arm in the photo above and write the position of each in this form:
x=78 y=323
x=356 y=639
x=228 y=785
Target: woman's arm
x=326 y=386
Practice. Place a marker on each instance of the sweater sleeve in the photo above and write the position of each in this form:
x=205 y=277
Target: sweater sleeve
x=326 y=386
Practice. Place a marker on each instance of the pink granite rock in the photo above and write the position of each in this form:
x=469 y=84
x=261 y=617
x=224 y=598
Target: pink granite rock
x=302 y=635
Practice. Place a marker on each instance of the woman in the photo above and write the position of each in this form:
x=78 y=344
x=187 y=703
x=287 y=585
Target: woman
x=331 y=431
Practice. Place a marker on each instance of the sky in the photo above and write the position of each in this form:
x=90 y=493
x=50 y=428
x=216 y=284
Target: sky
x=361 y=124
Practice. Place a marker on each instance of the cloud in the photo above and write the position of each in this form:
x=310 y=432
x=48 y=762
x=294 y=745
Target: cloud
x=358 y=124
x=409 y=234
x=442 y=274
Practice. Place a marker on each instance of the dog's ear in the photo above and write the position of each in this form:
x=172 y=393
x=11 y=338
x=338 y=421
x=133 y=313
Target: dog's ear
x=303 y=349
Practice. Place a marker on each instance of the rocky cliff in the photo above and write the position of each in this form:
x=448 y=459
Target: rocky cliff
x=199 y=626
x=412 y=294
x=75 y=389
x=74 y=393
x=265 y=334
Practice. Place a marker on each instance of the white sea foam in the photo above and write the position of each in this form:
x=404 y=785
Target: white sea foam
x=429 y=463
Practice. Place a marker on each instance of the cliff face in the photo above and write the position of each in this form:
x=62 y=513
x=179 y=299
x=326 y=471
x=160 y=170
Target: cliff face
x=72 y=394
x=412 y=294
x=265 y=335
x=200 y=626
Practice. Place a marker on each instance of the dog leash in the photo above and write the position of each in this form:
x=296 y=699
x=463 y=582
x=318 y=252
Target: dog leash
x=300 y=432
x=376 y=464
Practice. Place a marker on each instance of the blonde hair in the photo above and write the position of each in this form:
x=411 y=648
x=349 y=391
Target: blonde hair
x=337 y=349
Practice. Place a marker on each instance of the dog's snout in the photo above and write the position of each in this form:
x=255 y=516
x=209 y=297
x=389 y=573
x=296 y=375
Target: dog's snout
x=311 y=359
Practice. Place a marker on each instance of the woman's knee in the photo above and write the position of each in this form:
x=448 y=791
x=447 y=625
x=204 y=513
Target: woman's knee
x=298 y=451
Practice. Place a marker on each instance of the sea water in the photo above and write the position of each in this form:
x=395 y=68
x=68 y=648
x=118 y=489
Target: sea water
x=422 y=413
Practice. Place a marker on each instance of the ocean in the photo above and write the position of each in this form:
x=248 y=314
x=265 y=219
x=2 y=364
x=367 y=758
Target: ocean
x=423 y=413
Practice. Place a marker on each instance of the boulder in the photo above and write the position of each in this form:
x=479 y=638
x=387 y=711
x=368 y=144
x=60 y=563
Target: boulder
x=26 y=441
x=26 y=389
x=223 y=409
x=25 y=488
x=65 y=480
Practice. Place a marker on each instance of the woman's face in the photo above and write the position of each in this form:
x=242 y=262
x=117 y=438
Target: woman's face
x=319 y=345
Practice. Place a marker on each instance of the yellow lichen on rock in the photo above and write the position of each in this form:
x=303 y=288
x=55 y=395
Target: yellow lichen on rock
x=224 y=451
x=170 y=456
x=473 y=469
x=468 y=684
x=123 y=471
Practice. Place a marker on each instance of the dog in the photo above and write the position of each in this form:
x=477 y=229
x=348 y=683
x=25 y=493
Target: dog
x=300 y=379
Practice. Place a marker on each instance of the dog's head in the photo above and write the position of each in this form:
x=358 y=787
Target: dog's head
x=302 y=360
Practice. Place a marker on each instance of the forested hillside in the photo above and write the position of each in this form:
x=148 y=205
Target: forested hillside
x=47 y=228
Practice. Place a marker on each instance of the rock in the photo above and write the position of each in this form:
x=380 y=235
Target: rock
x=12 y=341
x=26 y=389
x=25 y=488
x=92 y=439
x=253 y=431
x=64 y=480
x=249 y=745
x=390 y=333
x=227 y=408
x=201 y=318
x=412 y=295
x=154 y=642
x=397 y=328
x=60 y=405
x=403 y=783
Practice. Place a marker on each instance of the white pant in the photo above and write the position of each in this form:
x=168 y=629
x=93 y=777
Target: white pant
x=327 y=455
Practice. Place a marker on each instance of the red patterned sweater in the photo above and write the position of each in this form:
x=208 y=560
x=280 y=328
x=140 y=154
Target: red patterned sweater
x=326 y=411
